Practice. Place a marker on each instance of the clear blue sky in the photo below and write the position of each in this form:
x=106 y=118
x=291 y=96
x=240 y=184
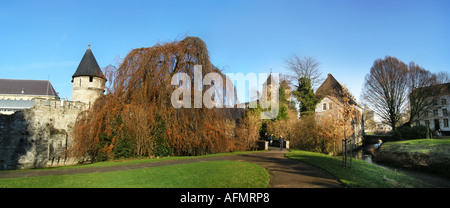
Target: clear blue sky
x=41 y=39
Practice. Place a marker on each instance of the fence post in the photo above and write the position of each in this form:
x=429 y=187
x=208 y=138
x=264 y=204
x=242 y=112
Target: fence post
x=343 y=154
x=351 y=153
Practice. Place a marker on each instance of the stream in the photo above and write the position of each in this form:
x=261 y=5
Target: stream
x=363 y=153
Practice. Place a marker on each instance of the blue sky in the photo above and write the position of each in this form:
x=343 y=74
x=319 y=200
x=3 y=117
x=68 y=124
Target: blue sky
x=47 y=39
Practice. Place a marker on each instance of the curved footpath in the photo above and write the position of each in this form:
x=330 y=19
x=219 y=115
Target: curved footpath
x=286 y=173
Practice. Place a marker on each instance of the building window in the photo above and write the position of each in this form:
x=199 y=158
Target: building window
x=427 y=123
x=444 y=101
x=434 y=101
x=417 y=123
x=435 y=112
x=436 y=124
x=324 y=106
x=426 y=113
x=445 y=122
x=444 y=112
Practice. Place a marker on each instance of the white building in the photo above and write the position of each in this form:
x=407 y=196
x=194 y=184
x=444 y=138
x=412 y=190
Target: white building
x=331 y=93
x=374 y=123
x=436 y=116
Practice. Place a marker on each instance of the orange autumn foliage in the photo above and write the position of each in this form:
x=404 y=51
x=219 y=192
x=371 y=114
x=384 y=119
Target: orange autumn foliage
x=136 y=118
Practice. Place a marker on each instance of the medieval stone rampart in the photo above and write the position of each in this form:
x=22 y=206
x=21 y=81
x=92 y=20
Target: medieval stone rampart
x=40 y=136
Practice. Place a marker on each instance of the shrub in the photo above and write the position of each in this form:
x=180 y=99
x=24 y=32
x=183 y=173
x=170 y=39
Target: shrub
x=160 y=147
x=248 y=130
x=408 y=133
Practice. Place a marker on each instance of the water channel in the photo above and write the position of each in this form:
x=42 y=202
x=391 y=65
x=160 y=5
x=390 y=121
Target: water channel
x=364 y=153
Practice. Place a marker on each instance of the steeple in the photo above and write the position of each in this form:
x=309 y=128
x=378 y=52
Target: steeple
x=88 y=66
x=269 y=79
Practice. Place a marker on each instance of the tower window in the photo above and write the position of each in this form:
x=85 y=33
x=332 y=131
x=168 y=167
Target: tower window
x=91 y=78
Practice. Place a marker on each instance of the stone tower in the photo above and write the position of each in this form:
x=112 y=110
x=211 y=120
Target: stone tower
x=88 y=81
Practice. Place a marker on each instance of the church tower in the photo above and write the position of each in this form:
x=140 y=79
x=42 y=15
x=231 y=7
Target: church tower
x=88 y=81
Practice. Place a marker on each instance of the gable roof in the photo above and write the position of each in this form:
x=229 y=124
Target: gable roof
x=27 y=87
x=88 y=66
x=331 y=87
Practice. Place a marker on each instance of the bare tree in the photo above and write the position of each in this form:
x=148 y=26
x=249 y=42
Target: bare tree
x=421 y=84
x=307 y=67
x=442 y=77
x=384 y=88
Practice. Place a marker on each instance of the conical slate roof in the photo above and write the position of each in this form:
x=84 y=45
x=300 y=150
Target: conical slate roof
x=88 y=66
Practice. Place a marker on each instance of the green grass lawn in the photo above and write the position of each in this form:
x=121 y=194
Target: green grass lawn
x=361 y=175
x=427 y=155
x=420 y=146
x=216 y=174
x=129 y=161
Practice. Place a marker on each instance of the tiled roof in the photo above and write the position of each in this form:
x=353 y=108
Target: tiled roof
x=27 y=87
x=331 y=87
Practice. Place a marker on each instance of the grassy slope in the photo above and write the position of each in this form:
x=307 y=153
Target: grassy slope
x=217 y=174
x=430 y=155
x=129 y=161
x=361 y=175
x=420 y=146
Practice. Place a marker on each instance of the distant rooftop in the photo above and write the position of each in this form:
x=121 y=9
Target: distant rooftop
x=437 y=90
x=331 y=87
x=27 y=87
x=269 y=79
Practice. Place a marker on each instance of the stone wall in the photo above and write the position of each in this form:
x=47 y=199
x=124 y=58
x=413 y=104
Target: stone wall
x=38 y=137
x=87 y=89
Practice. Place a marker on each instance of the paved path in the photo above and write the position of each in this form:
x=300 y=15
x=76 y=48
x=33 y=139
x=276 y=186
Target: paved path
x=286 y=173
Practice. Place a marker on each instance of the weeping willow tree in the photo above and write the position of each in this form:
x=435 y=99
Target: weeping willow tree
x=136 y=117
